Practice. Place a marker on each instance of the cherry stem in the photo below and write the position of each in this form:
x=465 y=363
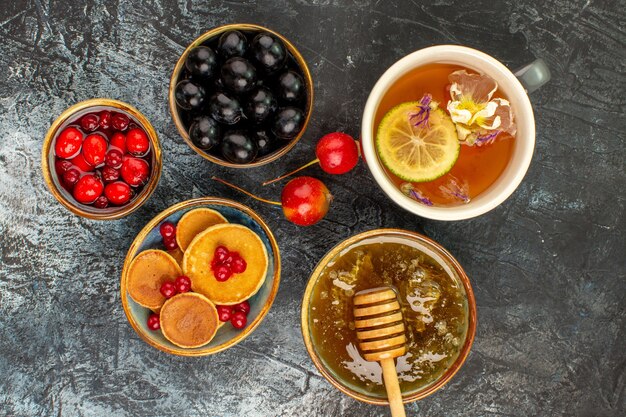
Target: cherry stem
x=249 y=194
x=315 y=161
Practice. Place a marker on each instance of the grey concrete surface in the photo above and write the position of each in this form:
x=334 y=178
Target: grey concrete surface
x=548 y=266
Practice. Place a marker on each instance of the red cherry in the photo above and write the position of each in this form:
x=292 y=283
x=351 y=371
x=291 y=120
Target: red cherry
x=71 y=177
x=224 y=312
x=62 y=165
x=243 y=306
x=239 y=265
x=118 y=140
x=94 y=149
x=137 y=142
x=68 y=143
x=118 y=192
x=154 y=322
x=222 y=273
x=183 y=284
x=168 y=289
x=80 y=163
x=105 y=119
x=239 y=320
x=170 y=243
x=135 y=171
x=337 y=152
x=305 y=200
x=101 y=202
x=119 y=121
x=113 y=158
x=88 y=189
x=89 y=122
x=110 y=174
x=167 y=230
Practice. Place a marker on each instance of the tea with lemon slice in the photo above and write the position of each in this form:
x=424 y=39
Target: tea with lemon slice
x=444 y=134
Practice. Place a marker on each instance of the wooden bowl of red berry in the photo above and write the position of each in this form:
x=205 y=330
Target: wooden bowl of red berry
x=200 y=277
x=101 y=159
x=241 y=95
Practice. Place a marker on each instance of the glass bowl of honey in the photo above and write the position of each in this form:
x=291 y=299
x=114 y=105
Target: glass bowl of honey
x=437 y=302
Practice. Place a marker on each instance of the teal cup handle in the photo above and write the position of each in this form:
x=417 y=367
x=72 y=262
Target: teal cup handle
x=533 y=75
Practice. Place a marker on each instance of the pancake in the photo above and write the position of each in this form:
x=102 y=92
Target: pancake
x=189 y=320
x=147 y=272
x=194 y=222
x=239 y=287
x=177 y=254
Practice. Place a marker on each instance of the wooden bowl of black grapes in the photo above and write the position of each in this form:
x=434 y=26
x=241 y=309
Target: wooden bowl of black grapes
x=241 y=95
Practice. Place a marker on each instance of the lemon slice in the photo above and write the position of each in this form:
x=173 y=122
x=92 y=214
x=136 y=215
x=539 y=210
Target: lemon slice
x=417 y=153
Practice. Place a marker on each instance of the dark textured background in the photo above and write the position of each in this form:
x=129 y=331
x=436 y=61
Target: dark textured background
x=548 y=266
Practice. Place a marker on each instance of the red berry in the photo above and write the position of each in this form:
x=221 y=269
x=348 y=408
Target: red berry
x=120 y=121
x=113 y=158
x=71 y=177
x=337 y=153
x=68 y=143
x=168 y=289
x=154 y=322
x=239 y=265
x=305 y=200
x=238 y=320
x=170 y=243
x=62 y=165
x=167 y=230
x=80 y=163
x=94 y=149
x=105 y=119
x=137 y=142
x=118 y=140
x=135 y=171
x=118 y=192
x=183 y=284
x=110 y=174
x=243 y=306
x=101 y=202
x=220 y=255
x=229 y=259
x=88 y=189
x=222 y=273
x=89 y=122
x=224 y=312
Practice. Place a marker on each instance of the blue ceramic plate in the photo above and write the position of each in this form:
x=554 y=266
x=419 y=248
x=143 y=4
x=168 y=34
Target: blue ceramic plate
x=260 y=303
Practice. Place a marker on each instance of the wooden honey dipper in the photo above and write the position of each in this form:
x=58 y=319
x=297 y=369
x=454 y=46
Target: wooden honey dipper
x=380 y=329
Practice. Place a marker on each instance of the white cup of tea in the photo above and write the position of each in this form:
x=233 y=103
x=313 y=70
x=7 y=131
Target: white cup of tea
x=515 y=86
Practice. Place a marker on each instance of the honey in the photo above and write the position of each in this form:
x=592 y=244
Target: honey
x=434 y=305
x=477 y=167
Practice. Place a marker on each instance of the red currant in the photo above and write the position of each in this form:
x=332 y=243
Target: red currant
x=243 y=306
x=105 y=119
x=170 y=243
x=101 y=202
x=113 y=158
x=239 y=320
x=94 y=149
x=154 y=322
x=183 y=284
x=118 y=140
x=135 y=171
x=89 y=122
x=224 y=312
x=167 y=229
x=71 y=177
x=238 y=265
x=168 y=289
x=120 y=121
x=220 y=255
x=222 y=273
x=68 y=143
x=137 y=142
x=88 y=189
x=110 y=174
x=118 y=192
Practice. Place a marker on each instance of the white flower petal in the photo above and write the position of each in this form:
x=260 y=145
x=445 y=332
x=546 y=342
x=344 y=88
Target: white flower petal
x=462 y=132
x=458 y=115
